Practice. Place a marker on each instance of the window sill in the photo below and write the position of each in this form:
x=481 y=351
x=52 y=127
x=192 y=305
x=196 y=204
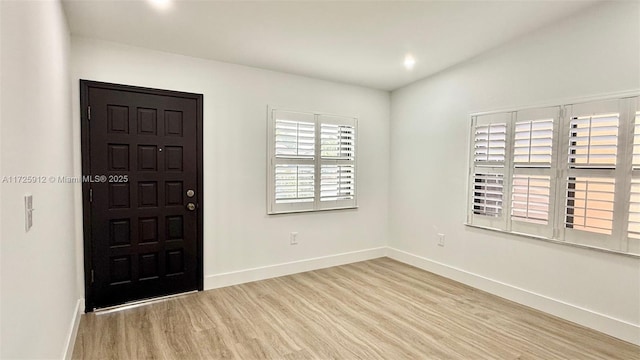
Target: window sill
x=311 y=211
x=555 y=241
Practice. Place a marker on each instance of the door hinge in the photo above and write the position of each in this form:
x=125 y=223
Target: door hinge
x=89 y=112
x=90 y=195
x=92 y=276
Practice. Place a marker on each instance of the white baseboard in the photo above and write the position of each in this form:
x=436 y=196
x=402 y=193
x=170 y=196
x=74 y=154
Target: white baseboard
x=611 y=326
x=73 y=329
x=615 y=327
x=271 y=271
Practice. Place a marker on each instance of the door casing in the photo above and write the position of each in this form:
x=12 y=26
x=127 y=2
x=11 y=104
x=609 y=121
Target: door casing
x=85 y=85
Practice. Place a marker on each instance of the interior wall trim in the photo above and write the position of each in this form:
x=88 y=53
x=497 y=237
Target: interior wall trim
x=618 y=328
x=289 y=268
x=73 y=330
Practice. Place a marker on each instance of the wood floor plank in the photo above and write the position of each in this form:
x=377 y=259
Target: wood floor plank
x=377 y=309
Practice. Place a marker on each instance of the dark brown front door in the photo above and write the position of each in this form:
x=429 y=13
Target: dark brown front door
x=142 y=160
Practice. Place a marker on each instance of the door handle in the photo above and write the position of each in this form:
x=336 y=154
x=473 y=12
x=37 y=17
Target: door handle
x=191 y=206
x=190 y=193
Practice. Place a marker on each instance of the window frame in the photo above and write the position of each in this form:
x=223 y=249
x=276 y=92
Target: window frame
x=628 y=103
x=317 y=118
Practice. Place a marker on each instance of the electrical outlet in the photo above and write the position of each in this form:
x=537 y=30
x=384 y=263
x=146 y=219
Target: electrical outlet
x=293 y=238
x=440 y=239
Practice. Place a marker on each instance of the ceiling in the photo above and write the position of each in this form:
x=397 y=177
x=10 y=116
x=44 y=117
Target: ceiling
x=359 y=42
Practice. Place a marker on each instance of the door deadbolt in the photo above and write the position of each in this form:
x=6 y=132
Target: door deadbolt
x=190 y=193
x=191 y=206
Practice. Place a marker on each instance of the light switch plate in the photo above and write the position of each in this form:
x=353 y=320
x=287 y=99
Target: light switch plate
x=28 y=212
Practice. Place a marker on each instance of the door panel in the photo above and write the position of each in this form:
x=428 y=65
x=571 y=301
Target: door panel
x=143 y=239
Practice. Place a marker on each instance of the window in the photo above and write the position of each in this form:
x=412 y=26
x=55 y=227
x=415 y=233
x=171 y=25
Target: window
x=337 y=162
x=489 y=134
x=295 y=139
x=530 y=199
x=487 y=194
x=534 y=155
x=312 y=162
x=590 y=204
x=490 y=143
x=589 y=171
x=294 y=183
x=573 y=173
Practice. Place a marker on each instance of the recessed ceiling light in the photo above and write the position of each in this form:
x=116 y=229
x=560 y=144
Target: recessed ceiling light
x=161 y=4
x=409 y=62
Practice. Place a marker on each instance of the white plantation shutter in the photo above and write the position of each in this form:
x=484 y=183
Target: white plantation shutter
x=533 y=142
x=337 y=161
x=337 y=182
x=490 y=141
x=534 y=157
x=590 y=203
x=634 y=210
x=570 y=173
x=337 y=141
x=634 y=198
x=633 y=227
x=488 y=191
x=294 y=183
x=590 y=170
x=292 y=172
x=636 y=142
x=593 y=141
x=295 y=138
x=312 y=162
x=530 y=198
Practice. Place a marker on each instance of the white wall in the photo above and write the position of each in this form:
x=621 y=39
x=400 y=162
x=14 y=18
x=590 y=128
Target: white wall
x=594 y=52
x=238 y=234
x=38 y=268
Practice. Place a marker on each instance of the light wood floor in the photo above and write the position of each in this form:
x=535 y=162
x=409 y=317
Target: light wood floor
x=378 y=309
